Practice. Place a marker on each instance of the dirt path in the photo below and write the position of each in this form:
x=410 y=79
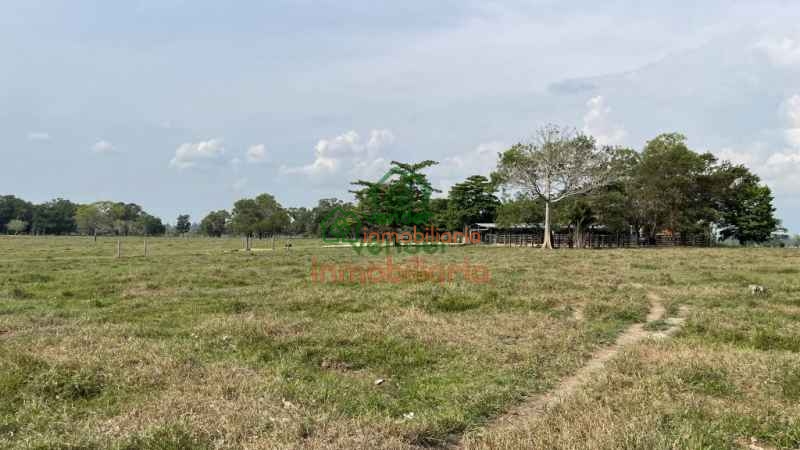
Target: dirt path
x=596 y=363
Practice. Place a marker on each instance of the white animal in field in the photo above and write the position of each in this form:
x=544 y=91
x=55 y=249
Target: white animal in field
x=757 y=289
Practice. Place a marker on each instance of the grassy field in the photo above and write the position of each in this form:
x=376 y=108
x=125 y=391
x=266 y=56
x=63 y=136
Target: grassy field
x=202 y=346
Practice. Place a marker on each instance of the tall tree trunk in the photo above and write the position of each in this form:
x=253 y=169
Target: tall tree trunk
x=578 y=236
x=547 y=242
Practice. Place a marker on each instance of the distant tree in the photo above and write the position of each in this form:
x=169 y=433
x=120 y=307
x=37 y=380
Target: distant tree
x=54 y=217
x=610 y=208
x=215 y=224
x=472 y=201
x=301 y=221
x=94 y=219
x=325 y=209
x=246 y=217
x=150 y=225
x=521 y=209
x=259 y=217
x=558 y=163
x=183 y=225
x=667 y=186
x=400 y=200
x=580 y=215
x=87 y=218
x=745 y=206
x=127 y=218
x=439 y=213
x=12 y=208
x=17 y=226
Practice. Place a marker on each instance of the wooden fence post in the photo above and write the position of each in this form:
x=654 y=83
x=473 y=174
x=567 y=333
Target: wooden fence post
x=145 y=248
x=119 y=248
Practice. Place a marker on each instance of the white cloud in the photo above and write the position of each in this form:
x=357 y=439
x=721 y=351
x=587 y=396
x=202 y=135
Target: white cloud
x=780 y=171
x=256 y=153
x=747 y=159
x=596 y=123
x=191 y=154
x=38 y=136
x=791 y=109
x=777 y=169
x=380 y=138
x=456 y=168
x=347 y=154
x=781 y=52
x=103 y=147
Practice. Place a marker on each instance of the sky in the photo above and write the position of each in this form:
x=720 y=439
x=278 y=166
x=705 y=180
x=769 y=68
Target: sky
x=187 y=106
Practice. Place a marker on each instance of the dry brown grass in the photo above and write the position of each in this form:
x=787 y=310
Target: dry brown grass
x=203 y=347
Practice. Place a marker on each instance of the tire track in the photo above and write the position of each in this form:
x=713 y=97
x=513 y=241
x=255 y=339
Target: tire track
x=569 y=385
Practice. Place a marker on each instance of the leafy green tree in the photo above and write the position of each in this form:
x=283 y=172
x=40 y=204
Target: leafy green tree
x=259 y=217
x=472 y=201
x=667 y=186
x=610 y=207
x=54 y=217
x=521 y=209
x=325 y=209
x=93 y=219
x=439 y=213
x=125 y=218
x=215 y=224
x=12 y=208
x=558 y=163
x=183 y=225
x=150 y=225
x=581 y=215
x=745 y=206
x=301 y=221
x=17 y=226
x=401 y=199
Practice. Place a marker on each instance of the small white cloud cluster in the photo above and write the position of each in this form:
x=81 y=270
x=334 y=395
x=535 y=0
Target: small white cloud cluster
x=596 y=122
x=456 y=168
x=347 y=152
x=781 y=52
x=779 y=169
x=103 y=147
x=792 y=112
x=784 y=166
x=191 y=154
x=256 y=153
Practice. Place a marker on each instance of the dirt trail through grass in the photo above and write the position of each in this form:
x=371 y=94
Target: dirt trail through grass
x=569 y=385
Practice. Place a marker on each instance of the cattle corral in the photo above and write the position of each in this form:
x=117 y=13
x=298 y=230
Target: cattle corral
x=201 y=345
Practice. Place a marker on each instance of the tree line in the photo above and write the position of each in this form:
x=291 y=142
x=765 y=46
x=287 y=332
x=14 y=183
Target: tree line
x=561 y=179
x=60 y=216
x=667 y=187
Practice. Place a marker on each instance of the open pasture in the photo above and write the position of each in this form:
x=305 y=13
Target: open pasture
x=203 y=346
